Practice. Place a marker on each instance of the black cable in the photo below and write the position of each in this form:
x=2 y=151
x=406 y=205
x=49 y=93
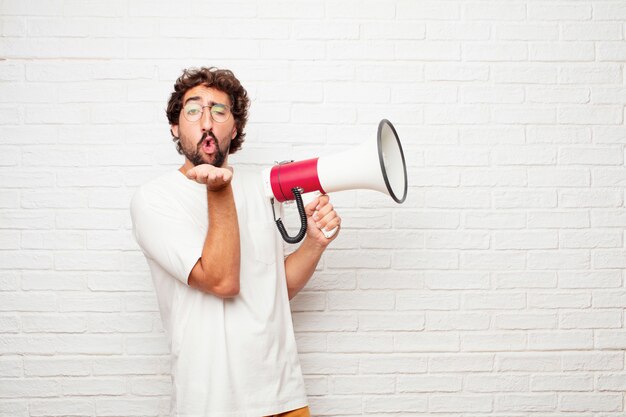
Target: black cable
x=281 y=228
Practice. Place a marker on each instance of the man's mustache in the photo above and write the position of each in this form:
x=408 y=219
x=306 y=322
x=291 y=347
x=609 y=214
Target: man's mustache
x=205 y=135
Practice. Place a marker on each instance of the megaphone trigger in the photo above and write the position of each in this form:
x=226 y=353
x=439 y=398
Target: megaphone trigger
x=329 y=233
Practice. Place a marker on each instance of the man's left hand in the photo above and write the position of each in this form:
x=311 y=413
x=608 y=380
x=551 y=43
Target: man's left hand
x=322 y=218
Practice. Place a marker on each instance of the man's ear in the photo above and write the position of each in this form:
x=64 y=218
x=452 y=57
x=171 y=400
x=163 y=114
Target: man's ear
x=233 y=135
x=174 y=130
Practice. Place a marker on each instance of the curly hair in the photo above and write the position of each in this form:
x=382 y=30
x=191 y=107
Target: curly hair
x=221 y=79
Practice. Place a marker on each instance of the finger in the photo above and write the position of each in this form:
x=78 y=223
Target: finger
x=309 y=209
x=325 y=220
x=336 y=222
x=323 y=200
x=322 y=212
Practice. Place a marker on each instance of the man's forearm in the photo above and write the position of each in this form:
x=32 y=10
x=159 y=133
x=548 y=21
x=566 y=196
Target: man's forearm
x=220 y=261
x=301 y=264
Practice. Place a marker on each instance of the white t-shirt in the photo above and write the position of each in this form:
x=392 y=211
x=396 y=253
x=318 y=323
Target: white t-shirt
x=230 y=357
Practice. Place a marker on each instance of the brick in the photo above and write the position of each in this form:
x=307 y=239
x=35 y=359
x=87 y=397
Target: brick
x=495 y=52
x=476 y=362
x=593 y=361
x=611 y=51
x=494 y=220
x=558 y=219
x=488 y=135
x=590 y=74
x=426 y=219
x=457 y=280
x=560 y=340
x=591 y=320
x=360 y=259
x=360 y=343
x=430 y=10
x=612 y=382
x=526 y=32
x=61 y=407
x=494 y=342
x=94 y=386
x=307 y=322
x=458 y=198
x=391 y=322
x=460 y=403
x=565 y=95
x=328 y=363
x=559 y=11
x=61 y=367
x=563 y=259
x=429 y=384
x=528 y=362
x=525 y=321
x=426 y=342
x=526 y=240
x=127 y=407
x=131 y=366
x=441 y=260
x=559 y=177
x=361 y=300
x=427 y=301
x=497 y=383
x=159 y=386
x=350 y=385
x=53 y=324
x=308 y=301
x=525 y=279
x=591 y=115
x=401 y=403
x=503 y=260
x=591 y=402
x=426 y=50
x=493 y=11
x=456 y=321
x=610 y=298
x=610 y=339
x=14 y=408
x=458 y=30
x=11 y=367
x=29 y=388
x=456 y=72
x=333 y=406
x=526 y=402
x=392 y=364
x=589 y=279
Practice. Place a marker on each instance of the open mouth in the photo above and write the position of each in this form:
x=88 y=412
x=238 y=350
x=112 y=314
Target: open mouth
x=208 y=145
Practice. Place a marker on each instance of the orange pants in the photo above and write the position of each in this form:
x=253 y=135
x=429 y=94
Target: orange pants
x=300 y=412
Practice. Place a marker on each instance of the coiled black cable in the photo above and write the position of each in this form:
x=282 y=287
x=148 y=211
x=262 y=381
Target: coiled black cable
x=281 y=228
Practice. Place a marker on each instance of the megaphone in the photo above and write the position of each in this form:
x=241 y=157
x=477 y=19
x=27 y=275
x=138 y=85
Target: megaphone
x=377 y=165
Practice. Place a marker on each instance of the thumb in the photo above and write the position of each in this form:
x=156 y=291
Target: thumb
x=191 y=173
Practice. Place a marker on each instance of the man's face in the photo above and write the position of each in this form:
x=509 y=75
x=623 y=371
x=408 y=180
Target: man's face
x=205 y=141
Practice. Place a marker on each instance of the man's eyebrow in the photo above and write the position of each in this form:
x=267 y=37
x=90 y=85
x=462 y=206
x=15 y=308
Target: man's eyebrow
x=194 y=98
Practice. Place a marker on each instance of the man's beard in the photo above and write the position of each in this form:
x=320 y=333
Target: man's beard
x=195 y=156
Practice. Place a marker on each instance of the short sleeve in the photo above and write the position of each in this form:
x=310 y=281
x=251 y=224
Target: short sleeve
x=165 y=234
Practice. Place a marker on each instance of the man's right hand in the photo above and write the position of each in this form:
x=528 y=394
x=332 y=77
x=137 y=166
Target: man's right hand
x=215 y=178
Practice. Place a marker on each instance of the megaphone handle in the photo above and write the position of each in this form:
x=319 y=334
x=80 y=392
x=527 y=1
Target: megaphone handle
x=279 y=223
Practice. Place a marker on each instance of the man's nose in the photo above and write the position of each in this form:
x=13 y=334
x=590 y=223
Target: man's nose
x=205 y=120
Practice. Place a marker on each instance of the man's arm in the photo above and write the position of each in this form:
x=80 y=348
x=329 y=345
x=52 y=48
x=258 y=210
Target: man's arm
x=217 y=270
x=301 y=264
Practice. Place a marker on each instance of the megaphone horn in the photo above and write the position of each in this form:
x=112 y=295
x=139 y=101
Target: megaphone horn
x=375 y=165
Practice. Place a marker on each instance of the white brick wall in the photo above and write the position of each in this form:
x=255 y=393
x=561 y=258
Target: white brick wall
x=497 y=289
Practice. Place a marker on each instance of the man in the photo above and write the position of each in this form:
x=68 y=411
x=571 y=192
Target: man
x=221 y=278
